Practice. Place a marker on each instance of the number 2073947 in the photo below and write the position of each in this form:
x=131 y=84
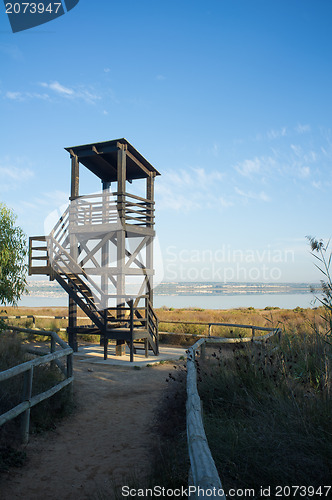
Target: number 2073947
x=33 y=8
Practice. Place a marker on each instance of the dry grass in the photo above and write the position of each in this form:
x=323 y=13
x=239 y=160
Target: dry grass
x=297 y=321
x=267 y=413
x=44 y=416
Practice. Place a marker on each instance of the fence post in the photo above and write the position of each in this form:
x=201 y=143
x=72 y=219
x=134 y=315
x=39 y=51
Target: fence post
x=70 y=373
x=203 y=350
x=34 y=322
x=210 y=330
x=252 y=333
x=52 y=350
x=26 y=396
x=69 y=365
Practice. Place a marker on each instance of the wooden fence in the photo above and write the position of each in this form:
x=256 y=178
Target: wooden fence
x=253 y=328
x=27 y=401
x=34 y=317
x=204 y=476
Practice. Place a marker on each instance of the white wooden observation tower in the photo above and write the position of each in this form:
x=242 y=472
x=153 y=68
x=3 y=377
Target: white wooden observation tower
x=101 y=249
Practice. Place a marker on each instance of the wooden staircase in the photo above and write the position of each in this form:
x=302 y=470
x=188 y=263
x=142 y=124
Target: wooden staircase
x=127 y=323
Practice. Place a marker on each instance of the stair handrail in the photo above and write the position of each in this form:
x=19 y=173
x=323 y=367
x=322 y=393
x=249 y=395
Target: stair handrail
x=57 y=268
x=152 y=322
x=80 y=269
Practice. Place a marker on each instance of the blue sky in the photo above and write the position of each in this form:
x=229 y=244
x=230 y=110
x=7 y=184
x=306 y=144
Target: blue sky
x=229 y=99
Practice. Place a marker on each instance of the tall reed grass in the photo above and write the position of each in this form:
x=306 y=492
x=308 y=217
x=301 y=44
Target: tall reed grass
x=267 y=413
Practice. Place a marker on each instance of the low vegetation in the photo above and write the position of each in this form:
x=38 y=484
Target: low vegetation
x=294 y=321
x=267 y=413
x=265 y=409
x=44 y=416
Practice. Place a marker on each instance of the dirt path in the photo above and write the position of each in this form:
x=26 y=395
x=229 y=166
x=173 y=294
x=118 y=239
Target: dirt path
x=105 y=439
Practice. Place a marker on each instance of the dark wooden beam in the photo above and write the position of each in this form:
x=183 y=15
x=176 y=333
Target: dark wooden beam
x=74 y=193
x=138 y=163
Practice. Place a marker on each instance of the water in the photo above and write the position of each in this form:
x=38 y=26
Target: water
x=258 y=301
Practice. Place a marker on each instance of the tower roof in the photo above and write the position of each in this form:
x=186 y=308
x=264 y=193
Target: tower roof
x=101 y=159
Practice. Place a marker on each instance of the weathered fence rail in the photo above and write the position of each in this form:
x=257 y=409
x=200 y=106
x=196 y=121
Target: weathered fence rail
x=34 y=317
x=27 y=401
x=253 y=329
x=204 y=475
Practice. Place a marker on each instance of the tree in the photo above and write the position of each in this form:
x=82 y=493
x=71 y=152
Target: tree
x=13 y=251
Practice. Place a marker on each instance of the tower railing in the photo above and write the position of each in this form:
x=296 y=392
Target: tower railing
x=112 y=208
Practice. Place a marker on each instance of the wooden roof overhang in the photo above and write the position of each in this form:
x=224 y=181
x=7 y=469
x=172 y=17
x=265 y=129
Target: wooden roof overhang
x=101 y=159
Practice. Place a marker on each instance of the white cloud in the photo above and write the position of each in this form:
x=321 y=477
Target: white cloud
x=249 y=167
x=302 y=129
x=15 y=96
x=262 y=196
x=160 y=77
x=304 y=172
x=188 y=189
x=58 y=88
x=317 y=184
x=18 y=174
x=79 y=92
x=276 y=134
x=24 y=96
x=170 y=199
x=296 y=149
x=225 y=203
x=11 y=177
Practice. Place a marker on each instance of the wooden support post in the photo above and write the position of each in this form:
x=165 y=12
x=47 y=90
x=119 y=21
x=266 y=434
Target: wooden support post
x=72 y=323
x=72 y=307
x=105 y=247
x=105 y=336
x=210 y=330
x=26 y=396
x=121 y=171
x=74 y=192
x=146 y=347
x=105 y=346
x=149 y=246
x=131 y=326
x=131 y=348
x=121 y=235
x=253 y=334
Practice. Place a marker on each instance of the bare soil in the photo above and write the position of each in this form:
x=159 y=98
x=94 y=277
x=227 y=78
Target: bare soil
x=108 y=437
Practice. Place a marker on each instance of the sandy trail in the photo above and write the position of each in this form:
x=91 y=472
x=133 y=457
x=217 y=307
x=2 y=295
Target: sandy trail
x=108 y=437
